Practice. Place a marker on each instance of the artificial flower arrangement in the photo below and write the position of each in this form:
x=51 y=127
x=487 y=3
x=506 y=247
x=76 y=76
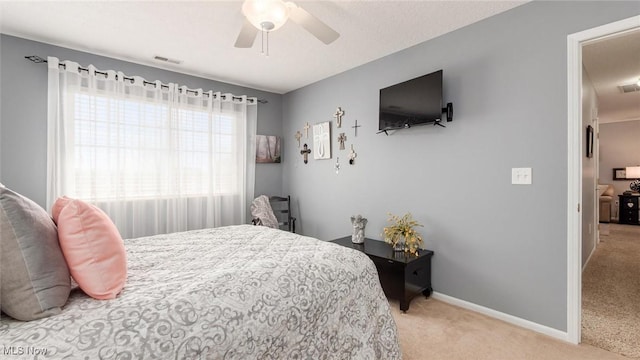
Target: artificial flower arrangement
x=402 y=235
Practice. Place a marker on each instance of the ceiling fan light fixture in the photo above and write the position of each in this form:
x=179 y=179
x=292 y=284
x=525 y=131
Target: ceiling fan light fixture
x=638 y=83
x=266 y=15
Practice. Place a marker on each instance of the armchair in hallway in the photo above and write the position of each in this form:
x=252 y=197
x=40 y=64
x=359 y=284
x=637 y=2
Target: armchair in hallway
x=605 y=201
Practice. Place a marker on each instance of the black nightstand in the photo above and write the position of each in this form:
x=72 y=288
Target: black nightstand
x=628 y=212
x=402 y=276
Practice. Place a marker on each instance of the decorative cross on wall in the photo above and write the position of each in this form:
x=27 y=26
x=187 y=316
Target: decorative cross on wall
x=298 y=135
x=341 y=139
x=306 y=130
x=352 y=156
x=305 y=152
x=355 y=128
x=338 y=115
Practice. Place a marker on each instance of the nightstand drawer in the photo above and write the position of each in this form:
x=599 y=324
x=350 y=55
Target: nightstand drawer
x=630 y=203
x=629 y=218
x=419 y=273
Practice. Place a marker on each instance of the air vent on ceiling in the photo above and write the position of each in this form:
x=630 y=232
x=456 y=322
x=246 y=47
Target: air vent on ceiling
x=629 y=88
x=165 y=59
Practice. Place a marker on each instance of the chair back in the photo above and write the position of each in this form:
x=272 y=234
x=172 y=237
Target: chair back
x=281 y=207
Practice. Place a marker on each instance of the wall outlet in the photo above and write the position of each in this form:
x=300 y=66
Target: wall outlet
x=521 y=176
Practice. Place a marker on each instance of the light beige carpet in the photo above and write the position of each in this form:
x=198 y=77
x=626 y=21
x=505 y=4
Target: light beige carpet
x=433 y=330
x=611 y=293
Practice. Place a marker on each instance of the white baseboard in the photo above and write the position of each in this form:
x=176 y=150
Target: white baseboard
x=561 y=335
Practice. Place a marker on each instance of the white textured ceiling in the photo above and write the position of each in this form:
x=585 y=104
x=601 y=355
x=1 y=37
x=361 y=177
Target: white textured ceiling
x=202 y=33
x=612 y=62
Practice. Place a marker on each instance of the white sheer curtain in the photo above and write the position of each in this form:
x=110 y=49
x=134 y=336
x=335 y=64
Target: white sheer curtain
x=156 y=158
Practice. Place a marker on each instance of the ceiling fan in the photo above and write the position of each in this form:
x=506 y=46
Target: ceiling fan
x=269 y=15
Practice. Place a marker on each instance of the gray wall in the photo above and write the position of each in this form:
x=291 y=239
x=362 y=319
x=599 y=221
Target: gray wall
x=619 y=147
x=23 y=112
x=497 y=245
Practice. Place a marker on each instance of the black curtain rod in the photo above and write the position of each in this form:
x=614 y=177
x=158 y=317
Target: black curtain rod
x=38 y=60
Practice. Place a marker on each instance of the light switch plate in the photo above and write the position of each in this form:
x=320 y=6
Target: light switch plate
x=521 y=176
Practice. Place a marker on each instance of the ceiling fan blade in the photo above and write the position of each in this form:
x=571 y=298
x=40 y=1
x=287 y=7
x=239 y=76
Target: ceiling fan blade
x=312 y=24
x=247 y=35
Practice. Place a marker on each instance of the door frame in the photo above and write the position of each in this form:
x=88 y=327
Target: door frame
x=574 y=163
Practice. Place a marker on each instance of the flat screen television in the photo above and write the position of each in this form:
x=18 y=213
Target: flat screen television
x=413 y=102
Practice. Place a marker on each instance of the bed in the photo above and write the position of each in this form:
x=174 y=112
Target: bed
x=238 y=292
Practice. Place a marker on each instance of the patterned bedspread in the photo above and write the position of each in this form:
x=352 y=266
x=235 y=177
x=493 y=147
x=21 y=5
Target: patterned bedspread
x=239 y=292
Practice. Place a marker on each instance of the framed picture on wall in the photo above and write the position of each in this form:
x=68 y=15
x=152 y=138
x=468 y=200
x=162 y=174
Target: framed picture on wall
x=589 y=141
x=267 y=149
x=619 y=174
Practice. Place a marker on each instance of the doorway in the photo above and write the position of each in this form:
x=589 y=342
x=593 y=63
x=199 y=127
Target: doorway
x=576 y=143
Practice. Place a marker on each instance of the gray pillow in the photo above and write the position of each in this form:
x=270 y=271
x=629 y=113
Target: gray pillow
x=35 y=280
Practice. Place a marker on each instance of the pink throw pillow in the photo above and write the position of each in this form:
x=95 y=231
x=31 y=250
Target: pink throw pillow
x=93 y=249
x=60 y=203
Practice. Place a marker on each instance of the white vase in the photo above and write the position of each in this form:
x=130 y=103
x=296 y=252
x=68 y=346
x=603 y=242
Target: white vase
x=358 y=223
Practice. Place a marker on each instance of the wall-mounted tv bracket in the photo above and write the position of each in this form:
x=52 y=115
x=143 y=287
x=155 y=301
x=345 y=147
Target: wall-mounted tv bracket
x=445 y=110
x=449 y=111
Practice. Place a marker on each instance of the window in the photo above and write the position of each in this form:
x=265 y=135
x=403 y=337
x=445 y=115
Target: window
x=157 y=158
x=147 y=150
